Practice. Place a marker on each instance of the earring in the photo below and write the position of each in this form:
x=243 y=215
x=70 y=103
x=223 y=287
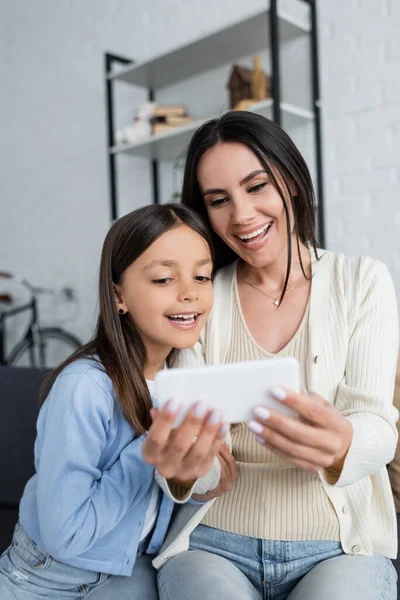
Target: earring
x=121 y=311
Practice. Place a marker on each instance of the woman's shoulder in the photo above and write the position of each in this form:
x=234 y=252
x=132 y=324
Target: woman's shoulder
x=353 y=272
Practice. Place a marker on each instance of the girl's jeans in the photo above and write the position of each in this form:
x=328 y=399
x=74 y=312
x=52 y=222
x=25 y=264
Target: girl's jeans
x=29 y=573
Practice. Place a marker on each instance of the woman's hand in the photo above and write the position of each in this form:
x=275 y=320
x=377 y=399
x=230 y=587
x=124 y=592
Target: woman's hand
x=186 y=453
x=320 y=439
x=227 y=478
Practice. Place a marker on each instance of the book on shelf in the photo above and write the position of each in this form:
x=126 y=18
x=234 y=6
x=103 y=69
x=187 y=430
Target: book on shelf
x=162 y=128
x=170 y=124
x=175 y=121
x=170 y=111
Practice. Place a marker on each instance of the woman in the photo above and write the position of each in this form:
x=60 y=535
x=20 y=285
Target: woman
x=311 y=514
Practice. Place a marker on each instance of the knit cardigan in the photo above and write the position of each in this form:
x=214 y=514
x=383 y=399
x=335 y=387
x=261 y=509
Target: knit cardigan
x=351 y=362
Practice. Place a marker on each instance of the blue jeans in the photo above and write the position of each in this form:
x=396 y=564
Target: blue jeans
x=221 y=565
x=29 y=573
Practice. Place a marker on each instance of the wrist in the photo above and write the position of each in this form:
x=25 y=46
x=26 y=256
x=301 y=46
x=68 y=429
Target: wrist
x=185 y=484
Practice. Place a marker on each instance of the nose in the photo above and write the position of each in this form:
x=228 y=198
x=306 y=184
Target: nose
x=242 y=213
x=188 y=292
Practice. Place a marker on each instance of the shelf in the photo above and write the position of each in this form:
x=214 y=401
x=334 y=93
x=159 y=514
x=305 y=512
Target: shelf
x=243 y=38
x=173 y=144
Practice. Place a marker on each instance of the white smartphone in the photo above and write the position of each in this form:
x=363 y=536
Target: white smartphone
x=234 y=388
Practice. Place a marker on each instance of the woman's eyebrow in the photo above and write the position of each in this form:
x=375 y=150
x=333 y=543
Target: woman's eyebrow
x=242 y=182
x=251 y=175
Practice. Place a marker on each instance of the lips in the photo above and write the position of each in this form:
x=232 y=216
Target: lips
x=255 y=236
x=184 y=318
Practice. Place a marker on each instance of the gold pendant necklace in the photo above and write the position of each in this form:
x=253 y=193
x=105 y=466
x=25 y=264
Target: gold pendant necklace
x=277 y=300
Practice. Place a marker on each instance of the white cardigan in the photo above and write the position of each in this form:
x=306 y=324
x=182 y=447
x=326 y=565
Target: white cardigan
x=353 y=329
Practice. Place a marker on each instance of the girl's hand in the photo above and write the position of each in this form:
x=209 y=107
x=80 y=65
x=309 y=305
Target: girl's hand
x=227 y=479
x=319 y=440
x=186 y=453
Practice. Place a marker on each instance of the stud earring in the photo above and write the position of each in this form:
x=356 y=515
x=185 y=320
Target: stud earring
x=121 y=311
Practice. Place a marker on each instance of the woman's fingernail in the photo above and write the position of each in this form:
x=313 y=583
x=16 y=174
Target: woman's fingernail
x=255 y=426
x=278 y=393
x=260 y=439
x=173 y=406
x=262 y=412
x=200 y=410
x=224 y=428
x=215 y=417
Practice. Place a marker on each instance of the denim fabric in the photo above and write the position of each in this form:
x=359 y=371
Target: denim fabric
x=221 y=565
x=87 y=502
x=28 y=573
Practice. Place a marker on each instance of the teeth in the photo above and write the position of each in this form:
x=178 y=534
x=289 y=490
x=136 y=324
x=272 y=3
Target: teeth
x=183 y=316
x=249 y=236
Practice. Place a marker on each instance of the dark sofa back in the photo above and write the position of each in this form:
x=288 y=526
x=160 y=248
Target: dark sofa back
x=19 y=405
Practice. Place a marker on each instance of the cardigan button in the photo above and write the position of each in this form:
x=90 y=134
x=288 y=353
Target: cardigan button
x=356 y=549
x=345 y=510
x=316 y=359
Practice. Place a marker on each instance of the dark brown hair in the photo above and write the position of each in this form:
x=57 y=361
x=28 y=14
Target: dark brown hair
x=117 y=345
x=274 y=149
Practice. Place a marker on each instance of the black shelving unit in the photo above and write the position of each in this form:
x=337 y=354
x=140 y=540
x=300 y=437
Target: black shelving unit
x=170 y=68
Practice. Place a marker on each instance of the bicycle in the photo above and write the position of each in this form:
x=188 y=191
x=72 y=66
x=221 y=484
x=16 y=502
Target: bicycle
x=43 y=347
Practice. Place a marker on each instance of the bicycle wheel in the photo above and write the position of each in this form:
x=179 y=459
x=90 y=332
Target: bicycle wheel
x=54 y=347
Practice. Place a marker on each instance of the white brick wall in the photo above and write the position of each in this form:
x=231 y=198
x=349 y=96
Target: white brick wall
x=360 y=66
x=53 y=177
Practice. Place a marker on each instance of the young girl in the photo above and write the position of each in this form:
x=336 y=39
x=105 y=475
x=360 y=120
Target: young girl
x=311 y=514
x=93 y=509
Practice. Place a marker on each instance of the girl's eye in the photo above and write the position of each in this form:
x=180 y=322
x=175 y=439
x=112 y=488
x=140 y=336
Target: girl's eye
x=162 y=281
x=258 y=187
x=218 y=202
x=203 y=278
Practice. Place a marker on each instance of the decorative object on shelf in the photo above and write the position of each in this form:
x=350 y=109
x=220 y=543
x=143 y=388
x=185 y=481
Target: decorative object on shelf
x=248 y=86
x=166 y=118
x=260 y=82
x=140 y=128
x=239 y=85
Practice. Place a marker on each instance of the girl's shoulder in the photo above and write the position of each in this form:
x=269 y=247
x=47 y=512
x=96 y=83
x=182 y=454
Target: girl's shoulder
x=84 y=382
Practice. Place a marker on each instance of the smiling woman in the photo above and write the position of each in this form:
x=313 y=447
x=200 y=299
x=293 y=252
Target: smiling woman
x=311 y=514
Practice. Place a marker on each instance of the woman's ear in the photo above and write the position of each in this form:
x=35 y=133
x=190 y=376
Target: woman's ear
x=119 y=301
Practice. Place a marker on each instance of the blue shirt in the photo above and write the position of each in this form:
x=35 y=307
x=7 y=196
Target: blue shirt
x=86 y=504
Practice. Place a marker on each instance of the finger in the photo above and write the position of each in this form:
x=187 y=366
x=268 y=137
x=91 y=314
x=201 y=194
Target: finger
x=231 y=463
x=154 y=412
x=212 y=432
x=160 y=431
x=182 y=439
x=209 y=441
x=312 y=407
x=295 y=430
x=310 y=468
x=292 y=451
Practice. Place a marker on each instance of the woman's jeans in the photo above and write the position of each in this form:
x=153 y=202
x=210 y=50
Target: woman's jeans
x=227 y=566
x=28 y=573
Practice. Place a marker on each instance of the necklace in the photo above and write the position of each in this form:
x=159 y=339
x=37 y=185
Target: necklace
x=277 y=300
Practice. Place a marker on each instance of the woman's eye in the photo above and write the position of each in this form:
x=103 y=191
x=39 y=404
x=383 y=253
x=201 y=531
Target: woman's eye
x=258 y=187
x=162 y=281
x=218 y=202
x=203 y=278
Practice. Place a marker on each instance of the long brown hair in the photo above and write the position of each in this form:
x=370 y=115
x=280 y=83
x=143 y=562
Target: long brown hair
x=273 y=148
x=117 y=346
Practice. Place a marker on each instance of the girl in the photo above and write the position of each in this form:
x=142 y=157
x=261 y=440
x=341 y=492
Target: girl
x=311 y=513
x=93 y=509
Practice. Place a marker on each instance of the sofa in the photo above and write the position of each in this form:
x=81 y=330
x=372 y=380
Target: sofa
x=19 y=389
